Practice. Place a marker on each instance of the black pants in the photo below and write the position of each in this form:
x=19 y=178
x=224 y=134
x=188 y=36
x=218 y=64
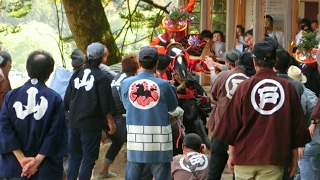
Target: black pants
x=218 y=159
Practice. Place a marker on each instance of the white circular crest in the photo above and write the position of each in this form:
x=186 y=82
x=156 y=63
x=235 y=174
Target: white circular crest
x=235 y=79
x=268 y=91
x=144 y=94
x=200 y=161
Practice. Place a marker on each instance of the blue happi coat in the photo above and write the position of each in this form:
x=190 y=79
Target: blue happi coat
x=32 y=119
x=148 y=100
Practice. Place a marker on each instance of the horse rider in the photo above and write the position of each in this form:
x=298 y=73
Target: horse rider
x=173 y=31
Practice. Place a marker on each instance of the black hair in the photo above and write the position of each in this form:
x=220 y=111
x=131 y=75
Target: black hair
x=294 y=49
x=306 y=21
x=284 y=61
x=269 y=17
x=164 y=61
x=148 y=63
x=6 y=58
x=314 y=21
x=266 y=63
x=94 y=62
x=40 y=65
x=219 y=32
x=306 y=28
x=249 y=32
x=241 y=28
x=245 y=62
x=206 y=34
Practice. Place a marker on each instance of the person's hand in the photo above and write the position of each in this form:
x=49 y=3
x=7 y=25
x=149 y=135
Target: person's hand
x=112 y=127
x=294 y=163
x=311 y=129
x=209 y=61
x=104 y=139
x=300 y=152
x=30 y=168
x=25 y=160
x=230 y=163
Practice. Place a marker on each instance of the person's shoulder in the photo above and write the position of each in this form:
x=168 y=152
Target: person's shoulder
x=177 y=157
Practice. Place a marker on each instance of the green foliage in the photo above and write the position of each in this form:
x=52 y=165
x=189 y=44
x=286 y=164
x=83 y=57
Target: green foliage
x=7 y=28
x=307 y=42
x=179 y=14
x=19 y=8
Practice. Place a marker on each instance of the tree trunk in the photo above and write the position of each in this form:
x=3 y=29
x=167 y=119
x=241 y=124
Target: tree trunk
x=88 y=23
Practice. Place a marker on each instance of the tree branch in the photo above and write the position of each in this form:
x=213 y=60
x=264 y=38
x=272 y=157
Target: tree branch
x=163 y=8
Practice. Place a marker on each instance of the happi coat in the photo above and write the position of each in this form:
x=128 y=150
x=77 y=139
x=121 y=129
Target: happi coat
x=222 y=91
x=89 y=99
x=148 y=100
x=264 y=121
x=33 y=119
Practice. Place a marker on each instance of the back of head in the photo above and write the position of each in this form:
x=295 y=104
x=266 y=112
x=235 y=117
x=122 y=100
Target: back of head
x=192 y=141
x=95 y=53
x=5 y=57
x=130 y=64
x=164 y=61
x=77 y=59
x=40 y=65
x=148 y=57
x=231 y=56
x=265 y=54
x=246 y=63
x=206 y=34
x=284 y=61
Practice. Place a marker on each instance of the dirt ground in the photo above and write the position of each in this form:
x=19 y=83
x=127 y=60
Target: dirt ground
x=119 y=164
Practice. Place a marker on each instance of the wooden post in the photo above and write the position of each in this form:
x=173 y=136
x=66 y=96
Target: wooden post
x=258 y=25
x=204 y=16
x=288 y=25
x=240 y=9
x=231 y=27
x=294 y=27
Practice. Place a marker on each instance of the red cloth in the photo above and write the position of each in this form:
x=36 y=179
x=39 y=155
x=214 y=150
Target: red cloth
x=260 y=138
x=190 y=6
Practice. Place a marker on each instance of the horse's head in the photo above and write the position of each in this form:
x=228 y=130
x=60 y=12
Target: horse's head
x=179 y=63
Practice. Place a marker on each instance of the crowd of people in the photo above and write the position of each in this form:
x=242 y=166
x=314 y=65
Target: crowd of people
x=264 y=123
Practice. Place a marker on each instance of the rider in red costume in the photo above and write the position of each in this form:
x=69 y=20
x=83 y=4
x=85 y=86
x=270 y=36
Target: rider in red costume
x=172 y=32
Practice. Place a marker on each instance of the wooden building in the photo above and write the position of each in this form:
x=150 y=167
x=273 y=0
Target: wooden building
x=224 y=15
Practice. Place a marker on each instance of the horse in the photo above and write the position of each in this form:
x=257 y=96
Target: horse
x=179 y=63
x=189 y=92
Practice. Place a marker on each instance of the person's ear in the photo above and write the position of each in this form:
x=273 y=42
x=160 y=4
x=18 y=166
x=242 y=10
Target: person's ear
x=276 y=62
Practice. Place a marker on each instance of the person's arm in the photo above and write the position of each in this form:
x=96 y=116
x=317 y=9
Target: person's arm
x=107 y=103
x=155 y=41
x=54 y=142
x=231 y=157
x=21 y=158
x=212 y=67
x=3 y=90
x=294 y=162
x=111 y=124
x=32 y=167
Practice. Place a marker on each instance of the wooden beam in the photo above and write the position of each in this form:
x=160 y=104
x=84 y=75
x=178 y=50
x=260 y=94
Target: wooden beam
x=294 y=24
x=230 y=30
x=240 y=9
x=288 y=25
x=258 y=25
